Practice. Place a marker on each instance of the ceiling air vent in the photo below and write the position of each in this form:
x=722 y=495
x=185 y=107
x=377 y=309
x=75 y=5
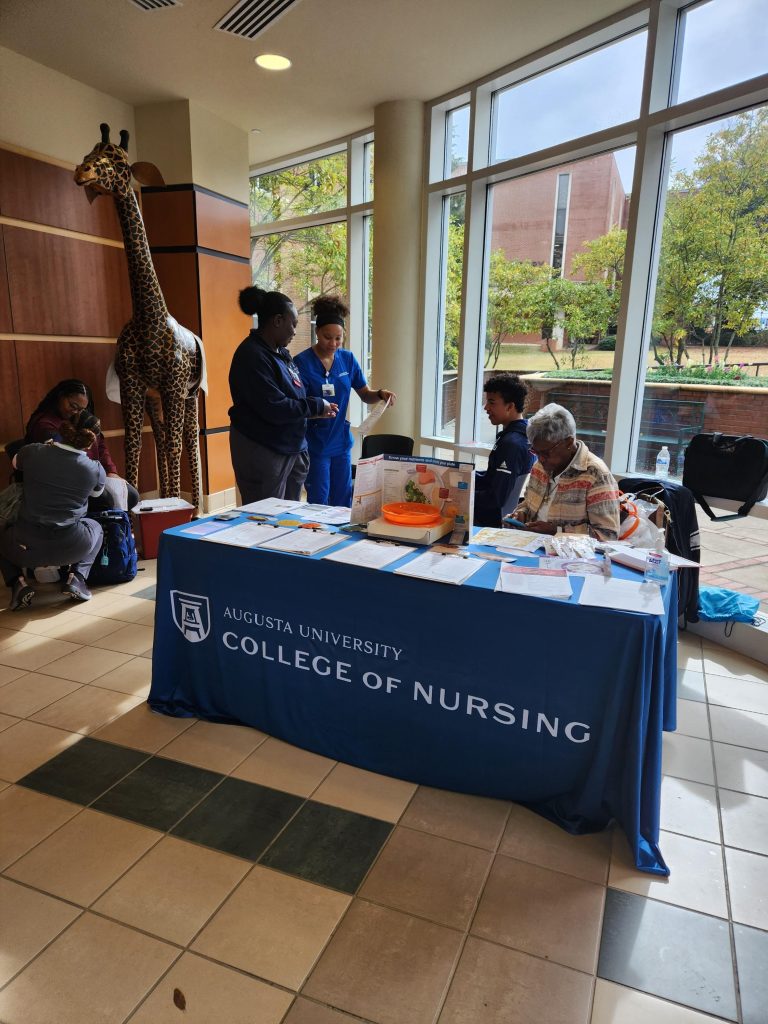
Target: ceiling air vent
x=249 y=18
x=155 y=5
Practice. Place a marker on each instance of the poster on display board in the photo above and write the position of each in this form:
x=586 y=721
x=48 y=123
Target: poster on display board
x=449 y=486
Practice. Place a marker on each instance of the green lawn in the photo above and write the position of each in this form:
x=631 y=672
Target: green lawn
x=530 y=357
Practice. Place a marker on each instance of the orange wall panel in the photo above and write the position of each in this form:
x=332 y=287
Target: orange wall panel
x=177 y=274
x=224 y=327
x=42 y=364
x=6 y=321
x=11 y=420
x=220 y=473
x=222 y=225
x=169 y=217
x=63 y=285
x=45 y=194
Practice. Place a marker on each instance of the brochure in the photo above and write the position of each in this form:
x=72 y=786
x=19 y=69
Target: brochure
x=449 y=486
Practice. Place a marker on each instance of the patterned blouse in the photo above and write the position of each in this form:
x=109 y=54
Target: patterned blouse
x=584 y=498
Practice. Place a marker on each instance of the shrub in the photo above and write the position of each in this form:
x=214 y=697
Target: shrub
x=607 y=344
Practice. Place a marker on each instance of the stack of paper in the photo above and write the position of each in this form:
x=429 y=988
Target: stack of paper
x=332 y=515
x=635 y=558
x=441 y=568
x=303 y=542
x=370 y=554
x=203 y=529
x=534 y=582
x=624 y=595
x=246 y=535
x=272 y=506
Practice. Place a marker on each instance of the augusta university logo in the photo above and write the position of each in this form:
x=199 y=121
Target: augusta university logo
x=192 y=615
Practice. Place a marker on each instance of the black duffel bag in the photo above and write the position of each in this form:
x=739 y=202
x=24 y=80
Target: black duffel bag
x=725 y=466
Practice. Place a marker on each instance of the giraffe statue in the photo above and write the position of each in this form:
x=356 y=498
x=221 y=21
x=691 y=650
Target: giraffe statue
x=155 y=355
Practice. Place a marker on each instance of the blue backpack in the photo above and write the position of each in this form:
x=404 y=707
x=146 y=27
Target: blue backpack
x=117 y=560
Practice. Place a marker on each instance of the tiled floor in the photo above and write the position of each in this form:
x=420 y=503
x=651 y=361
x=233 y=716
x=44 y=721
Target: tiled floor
x=159 y=870
x=735 y=555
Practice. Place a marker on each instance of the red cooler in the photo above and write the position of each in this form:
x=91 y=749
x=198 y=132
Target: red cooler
x=151 y=517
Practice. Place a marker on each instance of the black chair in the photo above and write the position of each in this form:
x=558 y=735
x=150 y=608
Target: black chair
x=386 y=444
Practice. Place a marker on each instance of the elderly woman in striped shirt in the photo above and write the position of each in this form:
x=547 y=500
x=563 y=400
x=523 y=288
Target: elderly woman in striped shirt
x=570 y=490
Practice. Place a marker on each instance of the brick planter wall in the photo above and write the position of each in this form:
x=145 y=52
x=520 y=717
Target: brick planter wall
x=729 y=410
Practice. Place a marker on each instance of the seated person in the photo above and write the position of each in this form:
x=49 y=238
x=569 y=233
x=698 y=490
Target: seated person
x=52 y=528
x=64 y=402
x=505 y=396
x=570 y=490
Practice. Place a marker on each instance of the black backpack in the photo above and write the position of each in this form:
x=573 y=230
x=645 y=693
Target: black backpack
x=725 y=466
x=117 y=560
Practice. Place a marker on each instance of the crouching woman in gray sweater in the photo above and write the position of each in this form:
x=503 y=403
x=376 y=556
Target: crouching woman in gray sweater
x=52 y=528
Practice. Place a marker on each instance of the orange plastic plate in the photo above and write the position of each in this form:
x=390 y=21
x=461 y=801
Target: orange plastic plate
x=410 y=513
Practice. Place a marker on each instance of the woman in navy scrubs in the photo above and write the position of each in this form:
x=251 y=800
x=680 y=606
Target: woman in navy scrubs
x=331 y=372
x=270 y=407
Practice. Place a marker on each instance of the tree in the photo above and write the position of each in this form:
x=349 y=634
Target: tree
x=603 y=263
x=308 y=261
x=520 y=301
x=714 y=249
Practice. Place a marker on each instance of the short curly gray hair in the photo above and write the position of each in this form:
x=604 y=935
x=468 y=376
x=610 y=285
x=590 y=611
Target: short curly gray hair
x=551 y=424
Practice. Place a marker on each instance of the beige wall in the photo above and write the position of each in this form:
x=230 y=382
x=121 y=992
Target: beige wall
x=46 y=112
x=163 y=138
x=219 y=154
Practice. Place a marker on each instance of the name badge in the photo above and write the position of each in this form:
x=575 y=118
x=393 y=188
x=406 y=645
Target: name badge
x=328 y=391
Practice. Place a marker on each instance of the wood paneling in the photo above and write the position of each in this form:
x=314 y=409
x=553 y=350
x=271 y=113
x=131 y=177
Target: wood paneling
x=11 y=422
x=222 y=226
x=177 y=274
x=6 y=321
x=42 y=364
x=169 y=217
x=63 y=285
x=44 y=194
x=224 y=327
x=220 y=472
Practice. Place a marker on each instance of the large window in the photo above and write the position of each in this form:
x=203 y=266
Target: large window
x=613 y=194
x=311 y=234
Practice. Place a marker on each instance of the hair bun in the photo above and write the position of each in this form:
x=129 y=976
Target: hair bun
x=329 y=305
x=252 y=300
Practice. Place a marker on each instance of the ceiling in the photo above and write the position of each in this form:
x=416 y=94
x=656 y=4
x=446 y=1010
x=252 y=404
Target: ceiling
x=348 y=55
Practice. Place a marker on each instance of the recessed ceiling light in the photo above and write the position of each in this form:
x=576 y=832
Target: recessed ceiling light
x=272 y=61
x=255 y=131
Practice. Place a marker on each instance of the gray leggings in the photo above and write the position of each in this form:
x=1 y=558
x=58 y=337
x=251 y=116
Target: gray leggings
x=26 y=546
x=262 y=473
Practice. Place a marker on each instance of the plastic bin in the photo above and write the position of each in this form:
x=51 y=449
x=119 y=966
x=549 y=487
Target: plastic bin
x=152 y=517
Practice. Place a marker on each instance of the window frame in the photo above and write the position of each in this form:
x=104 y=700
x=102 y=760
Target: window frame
x=648 y=133
x=354 y=212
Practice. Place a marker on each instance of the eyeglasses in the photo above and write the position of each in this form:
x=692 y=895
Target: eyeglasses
x=545 y=454
x=75 y=406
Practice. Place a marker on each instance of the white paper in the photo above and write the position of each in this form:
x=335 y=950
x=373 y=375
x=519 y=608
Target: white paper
x=370 y=554
x=441 y=568
x=373 y=417
x=574 y=566
x=634 y=558
x=304 y=542
x=624 y=595
x=331 y=515
x=272 y=506
x=161 y=505
x=490 y=536
x=246 y=535
x=533 y=584
x=204 y=528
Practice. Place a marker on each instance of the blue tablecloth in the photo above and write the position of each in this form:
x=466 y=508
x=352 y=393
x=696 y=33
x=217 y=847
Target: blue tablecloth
x=548 y=703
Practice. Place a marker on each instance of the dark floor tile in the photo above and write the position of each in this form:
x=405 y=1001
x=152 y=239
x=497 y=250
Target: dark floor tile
x=752 y=961
x=240 y=817
x=158 y=793
x=148 y=593
x=329 y=846
x=669 y=952
x=84 y=771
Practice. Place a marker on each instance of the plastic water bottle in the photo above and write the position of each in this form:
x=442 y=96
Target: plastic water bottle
x=657 y=567
x=662 y=463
